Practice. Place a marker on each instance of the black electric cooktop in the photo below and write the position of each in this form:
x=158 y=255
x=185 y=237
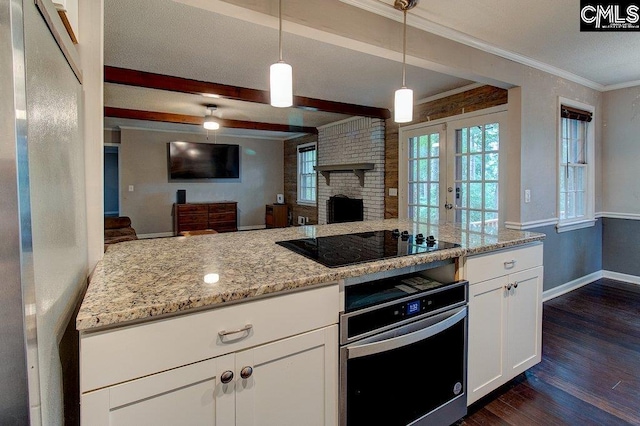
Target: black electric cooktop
x=349 y=249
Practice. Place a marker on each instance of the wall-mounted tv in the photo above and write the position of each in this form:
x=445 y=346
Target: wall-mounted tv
x=190 y=160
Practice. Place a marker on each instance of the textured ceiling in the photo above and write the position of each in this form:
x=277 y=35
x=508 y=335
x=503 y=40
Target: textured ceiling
x=547 y=31
x=166 y=37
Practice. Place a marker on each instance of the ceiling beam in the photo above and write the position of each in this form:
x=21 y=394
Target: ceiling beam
x=166 y=117
x=184 y=85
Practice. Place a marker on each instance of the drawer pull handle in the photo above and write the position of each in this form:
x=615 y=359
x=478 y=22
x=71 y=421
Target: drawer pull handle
x=510 y=264
x=246 y=372
x=225 y=333
x=226 y=377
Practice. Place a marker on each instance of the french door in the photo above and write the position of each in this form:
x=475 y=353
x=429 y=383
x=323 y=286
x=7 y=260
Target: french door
x=452 y=172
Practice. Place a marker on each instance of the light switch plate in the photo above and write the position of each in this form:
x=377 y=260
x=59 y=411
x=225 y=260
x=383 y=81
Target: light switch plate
x=393 y=192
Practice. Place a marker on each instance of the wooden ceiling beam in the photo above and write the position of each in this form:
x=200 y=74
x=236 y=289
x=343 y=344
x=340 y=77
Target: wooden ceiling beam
x=166 y=117
x=184 y=85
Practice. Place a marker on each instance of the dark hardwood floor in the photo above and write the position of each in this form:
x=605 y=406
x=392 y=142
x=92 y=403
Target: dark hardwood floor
x=590 y=369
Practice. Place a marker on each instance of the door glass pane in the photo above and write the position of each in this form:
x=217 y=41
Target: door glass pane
x=475 y=136
x=423 y=151
x=491 y=196
x=491 y=166
x=435 y=145
x=434 y=194
x=476 y=167
x=434 y=169
x=464 y=195
x=423 y=170
x=492 y=137
x=475 y=195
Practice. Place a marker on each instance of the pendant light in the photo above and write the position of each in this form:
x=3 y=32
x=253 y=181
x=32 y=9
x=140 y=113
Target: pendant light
x=281 y=75
x=210 y=122
x=403 y=102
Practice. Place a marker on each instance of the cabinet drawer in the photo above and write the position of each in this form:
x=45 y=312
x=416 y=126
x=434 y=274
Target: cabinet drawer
x=222 y=208
x=193 y=218
x=222 y=217
x=495 y=264
x=125 y=353
x=191 y=208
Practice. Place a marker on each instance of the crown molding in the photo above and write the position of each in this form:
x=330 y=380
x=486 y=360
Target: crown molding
x=622 y=85
x=415 y=20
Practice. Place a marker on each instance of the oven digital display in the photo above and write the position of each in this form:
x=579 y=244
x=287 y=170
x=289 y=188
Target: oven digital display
x=413 y=307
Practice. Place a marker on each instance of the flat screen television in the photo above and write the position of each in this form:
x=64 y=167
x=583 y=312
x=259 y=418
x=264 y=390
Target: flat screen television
x=190 y=160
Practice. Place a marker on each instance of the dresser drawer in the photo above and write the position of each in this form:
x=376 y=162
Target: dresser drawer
x=222 y=208
x=125 y=353
x=191 y=208
x=499 y=263
x=222 y=217
x=193 y=218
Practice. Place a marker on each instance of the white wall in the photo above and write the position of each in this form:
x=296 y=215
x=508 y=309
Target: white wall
x=143 y=162
x=621 y=135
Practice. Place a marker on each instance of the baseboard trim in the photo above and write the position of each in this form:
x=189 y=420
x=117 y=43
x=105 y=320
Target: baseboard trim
x=633 y=279
x=570 y=286
x=157 y=235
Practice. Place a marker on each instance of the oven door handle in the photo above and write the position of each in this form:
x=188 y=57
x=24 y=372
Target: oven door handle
x=372 y=348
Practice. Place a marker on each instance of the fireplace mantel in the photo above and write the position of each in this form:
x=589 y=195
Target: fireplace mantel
x=357 y=168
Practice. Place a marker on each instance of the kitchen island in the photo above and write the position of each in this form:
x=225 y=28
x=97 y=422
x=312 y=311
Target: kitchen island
x=165 y=320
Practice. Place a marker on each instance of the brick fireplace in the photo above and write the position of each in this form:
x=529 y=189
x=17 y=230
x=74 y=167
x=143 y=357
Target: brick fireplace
x=357 y=140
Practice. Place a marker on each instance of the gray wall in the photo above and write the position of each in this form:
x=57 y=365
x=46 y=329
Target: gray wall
x=143 y=164
x=621 y=246
x=570 y=255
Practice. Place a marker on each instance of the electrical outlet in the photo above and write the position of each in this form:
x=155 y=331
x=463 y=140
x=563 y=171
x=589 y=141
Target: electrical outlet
x=393 y=192
x=300 y=220
x=527 y=195
x=306 y=220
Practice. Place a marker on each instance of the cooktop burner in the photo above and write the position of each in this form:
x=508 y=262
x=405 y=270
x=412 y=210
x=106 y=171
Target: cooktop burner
x=348 y=249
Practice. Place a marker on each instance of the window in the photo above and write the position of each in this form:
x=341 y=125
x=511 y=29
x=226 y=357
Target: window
x=575 y=173
x=306 y=174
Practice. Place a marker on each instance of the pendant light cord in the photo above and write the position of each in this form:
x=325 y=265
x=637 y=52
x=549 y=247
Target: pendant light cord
x=280 y=28
x=404 y=49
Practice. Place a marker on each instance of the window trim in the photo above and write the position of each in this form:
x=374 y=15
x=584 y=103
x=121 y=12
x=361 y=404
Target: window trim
x=298 y=201
x=588 y=220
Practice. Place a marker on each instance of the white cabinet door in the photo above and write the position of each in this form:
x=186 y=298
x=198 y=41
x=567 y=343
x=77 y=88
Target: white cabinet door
x=294 y=381
x=525 y=320
x=190 y=395
x=487 y=337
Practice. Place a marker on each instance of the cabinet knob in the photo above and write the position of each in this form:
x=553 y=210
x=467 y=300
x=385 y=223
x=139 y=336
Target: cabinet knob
x=515 y=285
x=246 y=372
x=508 y=287
x=226 y=377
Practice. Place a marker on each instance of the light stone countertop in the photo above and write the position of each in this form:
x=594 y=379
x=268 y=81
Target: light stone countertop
x=143 y=279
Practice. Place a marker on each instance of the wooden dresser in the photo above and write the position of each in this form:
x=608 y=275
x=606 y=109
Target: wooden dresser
x=276 y=215
x=220 y=216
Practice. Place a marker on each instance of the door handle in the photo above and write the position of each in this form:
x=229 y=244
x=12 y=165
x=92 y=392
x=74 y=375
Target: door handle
x=448 y=206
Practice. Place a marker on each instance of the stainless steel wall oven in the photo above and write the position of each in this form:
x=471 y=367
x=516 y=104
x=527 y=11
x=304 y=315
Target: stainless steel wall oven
x=403 y=351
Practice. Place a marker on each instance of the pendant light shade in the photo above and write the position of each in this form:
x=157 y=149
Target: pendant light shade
x=403 y=102
x=403 y=106
x=281 y=87
x=281 y=74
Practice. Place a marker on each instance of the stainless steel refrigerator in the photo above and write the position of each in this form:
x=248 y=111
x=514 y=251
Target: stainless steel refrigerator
x=43 y=241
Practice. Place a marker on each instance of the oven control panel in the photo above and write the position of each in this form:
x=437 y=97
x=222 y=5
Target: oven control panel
x=366 y=321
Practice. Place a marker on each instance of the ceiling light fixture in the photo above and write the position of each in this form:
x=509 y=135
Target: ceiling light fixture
x=210 y=122
x=403 y=103
x=281 y=74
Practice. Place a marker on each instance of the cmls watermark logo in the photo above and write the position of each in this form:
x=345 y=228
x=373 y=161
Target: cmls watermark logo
x=618 y=16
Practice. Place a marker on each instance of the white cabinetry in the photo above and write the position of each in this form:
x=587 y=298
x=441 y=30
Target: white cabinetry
x=287 y=380
x=505 y=317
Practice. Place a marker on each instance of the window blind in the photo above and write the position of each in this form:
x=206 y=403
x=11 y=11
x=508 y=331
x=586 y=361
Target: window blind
x=575 y=114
